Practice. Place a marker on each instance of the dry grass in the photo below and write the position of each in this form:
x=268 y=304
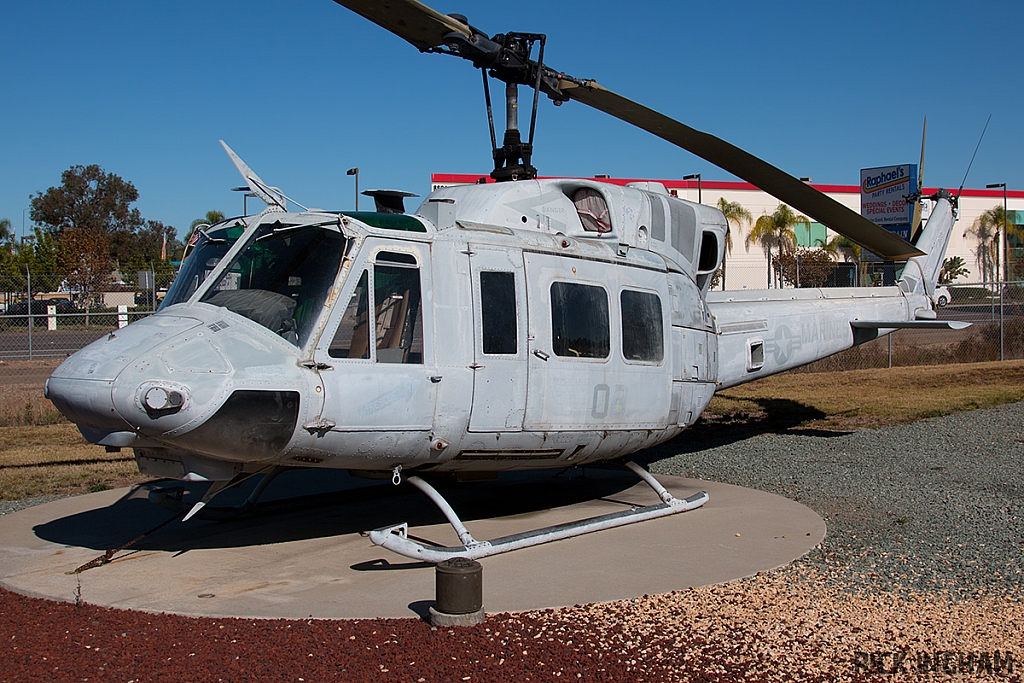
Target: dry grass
x=21 y=393
x=861 y=399
x=41 y=453
x=54 y=459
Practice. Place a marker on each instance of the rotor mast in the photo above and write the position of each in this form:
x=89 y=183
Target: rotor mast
x=512 y=64
x=506 y=57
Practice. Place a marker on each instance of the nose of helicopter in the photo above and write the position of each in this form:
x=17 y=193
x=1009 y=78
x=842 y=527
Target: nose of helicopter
x=85 y=387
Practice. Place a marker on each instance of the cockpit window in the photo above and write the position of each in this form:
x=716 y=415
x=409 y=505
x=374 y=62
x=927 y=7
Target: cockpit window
x=593 y=210
x=282 y=277
x=207 y=251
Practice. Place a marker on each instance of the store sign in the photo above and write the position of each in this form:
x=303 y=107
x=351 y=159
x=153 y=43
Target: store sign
x=883 y=196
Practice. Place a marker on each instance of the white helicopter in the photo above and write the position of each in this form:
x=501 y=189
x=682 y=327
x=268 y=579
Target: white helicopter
x=514 y=325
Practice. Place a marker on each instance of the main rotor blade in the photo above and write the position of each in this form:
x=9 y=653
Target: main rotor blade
x=415 y=22
x=772 y=180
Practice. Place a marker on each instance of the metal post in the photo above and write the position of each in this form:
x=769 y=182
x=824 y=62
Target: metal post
x=28 y=279
x=1004 y=254
x=700 y=197
x=889 y=339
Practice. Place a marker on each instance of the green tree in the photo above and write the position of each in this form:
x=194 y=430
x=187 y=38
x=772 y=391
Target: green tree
x=775 y=231
x=734 y=213
x=154 y=247
x=38 y=252
x=807 y=267
x=84 y=258
x=92 y=201
x=6 y=232
x=88 y=197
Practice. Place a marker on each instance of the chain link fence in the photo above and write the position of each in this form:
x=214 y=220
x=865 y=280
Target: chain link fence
x=59 y=322
x=40 y=317
x=996 y=314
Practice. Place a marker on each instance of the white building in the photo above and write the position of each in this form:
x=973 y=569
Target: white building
x=748 y=269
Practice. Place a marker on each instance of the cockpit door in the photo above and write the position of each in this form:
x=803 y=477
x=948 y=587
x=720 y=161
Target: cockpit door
x=499 y=338
x=378 y=364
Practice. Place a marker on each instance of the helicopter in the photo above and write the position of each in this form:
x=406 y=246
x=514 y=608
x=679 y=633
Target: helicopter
x=519 y=324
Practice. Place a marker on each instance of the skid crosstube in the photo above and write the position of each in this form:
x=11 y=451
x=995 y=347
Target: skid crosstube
x=396 y=538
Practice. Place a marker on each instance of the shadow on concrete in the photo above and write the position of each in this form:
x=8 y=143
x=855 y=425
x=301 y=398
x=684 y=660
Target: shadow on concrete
x=779 y=416
x=339 y=504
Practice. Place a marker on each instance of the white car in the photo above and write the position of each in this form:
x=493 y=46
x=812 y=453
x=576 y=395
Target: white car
x=941 y=296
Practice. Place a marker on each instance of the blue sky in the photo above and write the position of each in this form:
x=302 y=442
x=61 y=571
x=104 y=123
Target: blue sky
x=304 y=90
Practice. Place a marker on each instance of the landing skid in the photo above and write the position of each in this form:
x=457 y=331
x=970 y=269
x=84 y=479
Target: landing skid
x=396 y=538
x=171 y=498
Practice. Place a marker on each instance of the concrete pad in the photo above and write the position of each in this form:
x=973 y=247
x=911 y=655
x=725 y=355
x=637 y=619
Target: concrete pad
x=305 y=557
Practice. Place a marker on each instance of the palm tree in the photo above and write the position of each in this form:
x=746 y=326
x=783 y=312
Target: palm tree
x=952 y=268
x=734 y=213
x=775 y=231
x=849 y=250
x=7 y=236
x=986 y=229
x=211 y=218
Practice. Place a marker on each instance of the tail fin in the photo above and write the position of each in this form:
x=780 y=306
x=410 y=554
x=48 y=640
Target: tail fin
x=922 y=272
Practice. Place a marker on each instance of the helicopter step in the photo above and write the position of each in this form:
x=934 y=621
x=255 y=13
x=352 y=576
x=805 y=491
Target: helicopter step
x=396 y=538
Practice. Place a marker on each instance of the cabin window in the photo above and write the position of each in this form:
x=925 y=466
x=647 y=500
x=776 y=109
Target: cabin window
x=579 y=320
x=397 y=318
x=352 y=340
x=210 y=247
x=498 y=312
x=593 y=210
x=643 y=336
x=282 y=277
x=398 y=324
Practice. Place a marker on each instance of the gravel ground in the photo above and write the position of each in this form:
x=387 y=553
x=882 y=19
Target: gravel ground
x=9 y=506
x=937 y=505
x=919 y=578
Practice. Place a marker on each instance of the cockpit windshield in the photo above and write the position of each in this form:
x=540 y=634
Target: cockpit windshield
x=206 y=252
x=281 y=278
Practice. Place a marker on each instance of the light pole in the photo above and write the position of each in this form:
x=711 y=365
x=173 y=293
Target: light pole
x=23 y=233
x=355 y=172
x=245 y=207
x=691 y=177
x=1004 y=252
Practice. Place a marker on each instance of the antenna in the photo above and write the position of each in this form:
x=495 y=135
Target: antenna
x=972 y=158
x=915 y=222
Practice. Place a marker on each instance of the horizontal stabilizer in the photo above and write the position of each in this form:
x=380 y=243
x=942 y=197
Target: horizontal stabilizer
x=909 y=324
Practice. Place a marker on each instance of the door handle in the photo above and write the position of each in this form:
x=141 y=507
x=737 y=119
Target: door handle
x=540 y=354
